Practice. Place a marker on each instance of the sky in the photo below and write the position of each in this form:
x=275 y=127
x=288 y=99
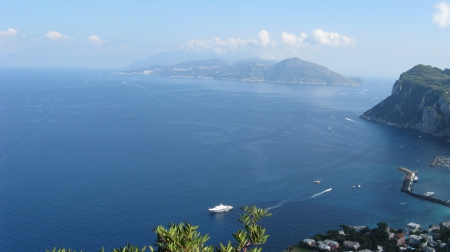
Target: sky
x=355 y=38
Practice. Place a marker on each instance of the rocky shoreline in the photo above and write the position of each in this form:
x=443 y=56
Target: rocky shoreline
x=441 y=161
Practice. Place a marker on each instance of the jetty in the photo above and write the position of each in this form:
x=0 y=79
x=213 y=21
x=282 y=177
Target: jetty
x=407 y=186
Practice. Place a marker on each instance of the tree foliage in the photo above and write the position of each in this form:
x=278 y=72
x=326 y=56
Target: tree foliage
x=184 y=237
x=252 y=234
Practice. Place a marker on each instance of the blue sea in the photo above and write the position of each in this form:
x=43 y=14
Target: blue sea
x=92 y=159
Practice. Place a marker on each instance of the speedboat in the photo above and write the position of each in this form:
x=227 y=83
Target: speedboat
x=317 y=181
x=220 y=208
x=428 y=194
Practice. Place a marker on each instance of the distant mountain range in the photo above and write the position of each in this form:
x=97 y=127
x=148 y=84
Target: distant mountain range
x=420 y=100
x=293 y=70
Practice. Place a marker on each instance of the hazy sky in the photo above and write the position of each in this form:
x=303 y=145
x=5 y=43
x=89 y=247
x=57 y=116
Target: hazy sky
x=365 y=38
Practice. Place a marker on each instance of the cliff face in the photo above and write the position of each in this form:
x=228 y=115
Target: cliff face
x=419 y=100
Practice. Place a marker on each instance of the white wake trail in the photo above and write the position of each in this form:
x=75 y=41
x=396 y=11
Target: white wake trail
x=317 y=194
x=353 y=121
x=277 y=205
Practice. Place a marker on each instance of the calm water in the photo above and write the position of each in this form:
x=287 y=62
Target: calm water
x=90 y=159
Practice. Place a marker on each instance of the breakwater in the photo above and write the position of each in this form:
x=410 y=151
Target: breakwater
x=408 y=182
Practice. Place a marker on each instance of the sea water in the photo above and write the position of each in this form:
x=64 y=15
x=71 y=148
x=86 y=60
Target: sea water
x=91 y=159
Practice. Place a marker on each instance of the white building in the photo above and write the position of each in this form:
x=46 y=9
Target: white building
x=428 y=238
x=324 y=246
x=412 y=227
x=310 y=242
x=332 y=244
x=413 y=239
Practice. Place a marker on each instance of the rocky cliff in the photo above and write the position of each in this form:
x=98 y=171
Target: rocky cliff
x=419 y=100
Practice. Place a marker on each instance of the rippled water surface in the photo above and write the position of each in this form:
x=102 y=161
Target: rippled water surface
x=91 y=159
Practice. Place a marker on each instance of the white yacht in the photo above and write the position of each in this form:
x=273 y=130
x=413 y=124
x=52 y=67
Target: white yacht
x=220 y=208
x=415 y=178
x=428 y=194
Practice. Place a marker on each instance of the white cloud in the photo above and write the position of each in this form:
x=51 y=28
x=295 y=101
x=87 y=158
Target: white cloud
x=264 y=38
x=56 y=35
x=216 y=43
x=332 y=38
x=441 y=17
x=219 y=42
x=263 y=46
x=240 y=42
x=293 y=40
x=9 y=32
x=94 y=39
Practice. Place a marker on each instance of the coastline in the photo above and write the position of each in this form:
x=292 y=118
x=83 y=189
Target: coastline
x=441 y=161
x=406 y=188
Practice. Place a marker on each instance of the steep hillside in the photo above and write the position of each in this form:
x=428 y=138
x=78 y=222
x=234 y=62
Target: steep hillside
x=419 y=100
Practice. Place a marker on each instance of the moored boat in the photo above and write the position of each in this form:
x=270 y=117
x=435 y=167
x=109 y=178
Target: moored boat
x=429 y=194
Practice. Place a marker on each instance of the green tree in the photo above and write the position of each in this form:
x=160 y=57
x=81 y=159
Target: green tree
x=61 y=250
x=184 y=237
x=127 y=248
x=253 y=234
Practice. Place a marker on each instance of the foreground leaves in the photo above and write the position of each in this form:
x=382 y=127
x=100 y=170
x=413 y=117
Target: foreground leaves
x=184 y=237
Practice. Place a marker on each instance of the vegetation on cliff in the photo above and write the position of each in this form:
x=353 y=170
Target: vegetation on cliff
x=419 y=100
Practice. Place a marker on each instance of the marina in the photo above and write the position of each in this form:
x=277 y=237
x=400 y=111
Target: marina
x=408 y=182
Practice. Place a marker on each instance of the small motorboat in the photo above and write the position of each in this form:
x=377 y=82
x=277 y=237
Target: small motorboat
x=429 y=194
x=317 y=181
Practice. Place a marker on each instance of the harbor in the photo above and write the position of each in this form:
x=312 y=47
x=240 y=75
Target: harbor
x=408 y=183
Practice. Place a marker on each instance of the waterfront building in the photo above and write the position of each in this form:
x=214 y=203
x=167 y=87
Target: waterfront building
x=310 y=242
x=446 y=225
x=352 y=245
x=398 y=239
x=413 y=239
x=332 y=244
x=412 y=227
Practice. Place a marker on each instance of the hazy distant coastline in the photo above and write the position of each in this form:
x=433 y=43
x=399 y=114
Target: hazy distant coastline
x=293 y=71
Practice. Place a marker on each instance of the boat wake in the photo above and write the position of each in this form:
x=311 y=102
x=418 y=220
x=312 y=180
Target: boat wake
x=353 y=121
x=277 y=205
x=317 y=194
